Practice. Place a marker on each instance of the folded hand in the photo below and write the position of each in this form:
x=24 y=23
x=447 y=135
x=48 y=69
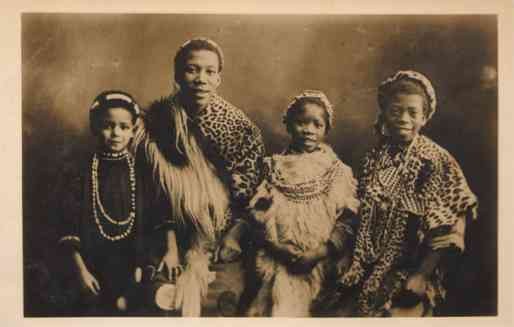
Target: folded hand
x=172 y=263
x=417 y=284
x=89 y=282
x=305 y=262
x=229 y=250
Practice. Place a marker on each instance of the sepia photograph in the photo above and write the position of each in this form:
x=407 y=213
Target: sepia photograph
x=259 y=165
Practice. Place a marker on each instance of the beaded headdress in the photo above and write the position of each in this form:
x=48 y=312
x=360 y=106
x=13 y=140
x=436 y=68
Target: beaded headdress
x=112 y=99
x=416 y=77
x=311 y=94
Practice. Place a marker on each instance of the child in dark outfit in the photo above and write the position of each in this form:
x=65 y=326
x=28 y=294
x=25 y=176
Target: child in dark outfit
x=107 y=223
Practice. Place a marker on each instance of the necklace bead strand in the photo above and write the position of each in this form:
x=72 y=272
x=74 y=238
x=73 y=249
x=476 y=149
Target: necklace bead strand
x=97 y=203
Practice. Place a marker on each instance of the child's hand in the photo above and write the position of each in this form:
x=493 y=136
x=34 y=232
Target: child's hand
x=306 y=262
x=230 y=250
x=417 y=284
x=171 y=259
x=261 y=203
x=172 y=263
x=287 y=253
x=89 y=282
x=344 y=263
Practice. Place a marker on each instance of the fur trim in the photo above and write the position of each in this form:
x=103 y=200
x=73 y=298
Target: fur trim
x=189 y=181
x=193 y=284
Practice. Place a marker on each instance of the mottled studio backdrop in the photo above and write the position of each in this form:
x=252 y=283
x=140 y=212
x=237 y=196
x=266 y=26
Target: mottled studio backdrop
x=69 y=58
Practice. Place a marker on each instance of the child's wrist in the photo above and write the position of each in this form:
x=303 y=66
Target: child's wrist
x=321 y=252
x=82 y=271
x=78 y=262
x=229 y=241
x=171 y=254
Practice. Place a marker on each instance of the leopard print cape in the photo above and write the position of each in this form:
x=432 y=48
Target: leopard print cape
x=229 y=139
x=430 y=185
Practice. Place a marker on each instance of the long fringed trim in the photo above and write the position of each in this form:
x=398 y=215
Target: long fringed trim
x=195 y=192
x=188 y=192
x=193 y=284
x=288 y=295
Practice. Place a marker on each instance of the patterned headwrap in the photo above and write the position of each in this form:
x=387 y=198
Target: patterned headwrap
x=414 y=76
x=311 y=94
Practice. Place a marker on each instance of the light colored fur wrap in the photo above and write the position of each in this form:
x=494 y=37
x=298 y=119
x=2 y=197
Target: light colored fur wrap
x=197 y=197
x=308 y=193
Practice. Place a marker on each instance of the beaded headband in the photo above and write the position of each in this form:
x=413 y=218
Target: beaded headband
x=208 y=41
x=111 y=99
x=312 y=94
x=417 y=77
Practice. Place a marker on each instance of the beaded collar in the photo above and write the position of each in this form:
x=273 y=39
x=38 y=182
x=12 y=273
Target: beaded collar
x=314 y=187
x=113 y=155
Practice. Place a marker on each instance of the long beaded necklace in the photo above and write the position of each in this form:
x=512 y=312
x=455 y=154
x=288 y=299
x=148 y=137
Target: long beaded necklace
x=97 y=203
x=390 y=182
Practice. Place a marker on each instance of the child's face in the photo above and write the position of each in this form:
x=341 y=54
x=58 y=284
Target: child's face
x=308 y=127
x=116 y=129
x=404 y=117
x=201 y=77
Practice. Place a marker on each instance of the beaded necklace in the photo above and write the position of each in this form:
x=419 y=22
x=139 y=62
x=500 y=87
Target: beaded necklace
x=389 y=182
x=308 y=190
x=114 y=155
x=313 y=188
x=97 y=203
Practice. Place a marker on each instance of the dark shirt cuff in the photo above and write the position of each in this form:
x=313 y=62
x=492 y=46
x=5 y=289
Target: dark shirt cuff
x=71 y=242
